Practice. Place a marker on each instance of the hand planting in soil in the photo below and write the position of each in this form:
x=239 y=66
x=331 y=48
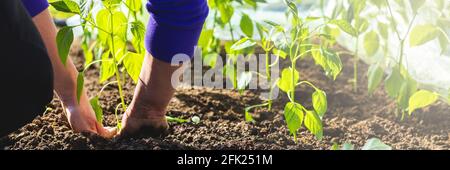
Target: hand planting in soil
x=154 y=90
x=75 y=102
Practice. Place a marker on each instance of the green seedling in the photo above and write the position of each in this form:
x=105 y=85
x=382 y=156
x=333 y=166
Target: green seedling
x=296 y=43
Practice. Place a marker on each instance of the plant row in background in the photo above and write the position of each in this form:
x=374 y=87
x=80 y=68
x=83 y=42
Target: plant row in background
x=394 y=19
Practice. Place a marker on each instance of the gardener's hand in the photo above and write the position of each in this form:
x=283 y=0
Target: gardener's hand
x=82 y=119
x=80 y=115
x=146 y=114
x=144 y=124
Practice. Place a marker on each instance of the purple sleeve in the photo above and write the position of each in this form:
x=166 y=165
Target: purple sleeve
x=35 y=7
x=174 y=27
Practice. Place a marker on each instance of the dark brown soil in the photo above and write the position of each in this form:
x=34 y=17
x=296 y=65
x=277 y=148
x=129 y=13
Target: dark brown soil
x=352 y=117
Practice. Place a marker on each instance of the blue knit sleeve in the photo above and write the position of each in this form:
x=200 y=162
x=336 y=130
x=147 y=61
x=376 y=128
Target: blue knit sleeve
x=35 y=7
x=174 y=27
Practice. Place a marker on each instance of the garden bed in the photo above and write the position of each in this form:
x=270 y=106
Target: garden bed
x=352 y=117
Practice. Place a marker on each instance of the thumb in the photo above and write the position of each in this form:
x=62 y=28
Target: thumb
x=106 y=132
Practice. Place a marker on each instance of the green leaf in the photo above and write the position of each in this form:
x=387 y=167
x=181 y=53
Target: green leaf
x=120 y=23
x=362 y=25
x=206 y=37
x=243 y=44
x=320 y=104
x=378 y=3
x=211 y=59
x=285 y=83
x=422 y=34
x=115 y=23
x=133 y=64
x=194 y=119
x=334 y=147
x=394 y=82
x=384 y=30
x=421 y=99
x=292 y=7
x=85 y=11
x=371 y=43
x=375 y=144
x=95 y=103
x=333 y=31
x=277 y=26
x=80 y=85
x=350 y=13
x=261 y=30
x=444 y=40
x=318 y=57
x=66 y=6
x=408 y=88
x=88 y=54
x=248 y=116
x=138 y=31
x=134 y=5
x=358 y=7
x=230 y=71
x=314 y=124
x=293 y=114
x=375 y=76
x=111 y=3
x=64 y=40
x=416 y=4
x=333 y=63
x=279 y=53
x=247 y=25
x=226 y=12
x=345 y=26
x=102 y=19
x=108 y=67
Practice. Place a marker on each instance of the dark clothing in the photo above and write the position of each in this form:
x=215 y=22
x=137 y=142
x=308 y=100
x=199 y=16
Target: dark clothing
x=27 y=76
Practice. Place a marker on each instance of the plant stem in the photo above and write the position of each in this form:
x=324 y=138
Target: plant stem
x=292 y=80
x=402 y=46
x=231 y=32
x=393 y=20
x=234 y=61
x=355 y=66
x=119 y=84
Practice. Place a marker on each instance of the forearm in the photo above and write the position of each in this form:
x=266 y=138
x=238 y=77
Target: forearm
x=64 y=76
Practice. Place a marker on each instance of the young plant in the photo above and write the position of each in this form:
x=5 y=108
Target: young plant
x=268 y=46
x=354 y=25
x=297 y=44
x=223 y=11
x=399 y=84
